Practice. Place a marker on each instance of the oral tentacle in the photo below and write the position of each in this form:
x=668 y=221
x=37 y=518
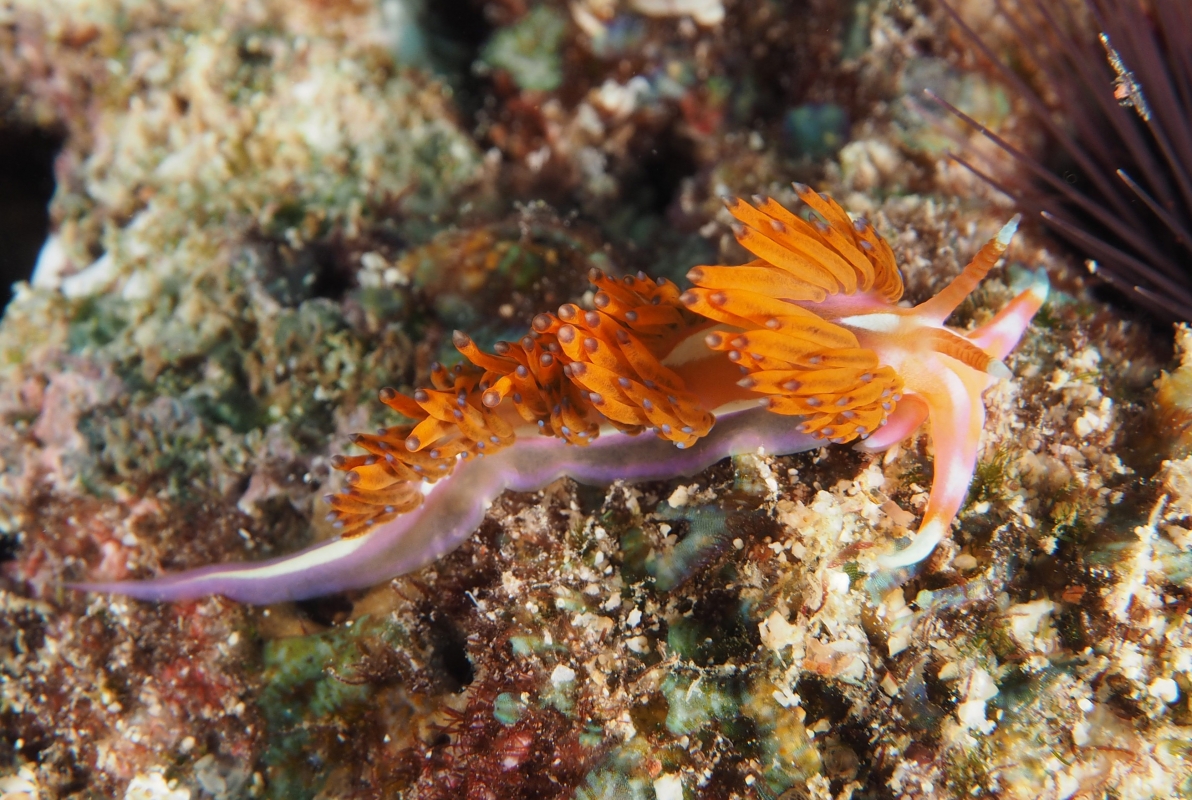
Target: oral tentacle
x=1001 y=334
x=956 y=413
x=940 y=307
x=955 y=346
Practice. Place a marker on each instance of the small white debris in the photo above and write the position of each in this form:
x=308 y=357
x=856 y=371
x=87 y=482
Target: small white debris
x=865 y=163
x=1164 y=689
x=679 y=497
x=595 y=624
x=668 y=787
x=22 y=786
x=52 y=263
x=1059 y=379
x=777 y=634
x=511 y=583
x=965 y=562
x=971 y=713
x=705 y=12
x=373 y=261
x=562 y=674
x=786 y=698
x=537 y=159
x=838 y=582
x=1025 y=621
x=1094 y=421
x=619 y=100
x=899 y=639
x=154 y=787
x=92 y=279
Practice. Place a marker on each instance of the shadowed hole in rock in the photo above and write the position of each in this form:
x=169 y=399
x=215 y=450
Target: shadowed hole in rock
x=455 y=31
x=8 y=548
x=26 y=184
x=292 y=276
x=449 y=657
x=328 y=610
x=663 y=168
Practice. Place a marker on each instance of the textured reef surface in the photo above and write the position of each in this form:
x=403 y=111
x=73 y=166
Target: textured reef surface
x=266 y=211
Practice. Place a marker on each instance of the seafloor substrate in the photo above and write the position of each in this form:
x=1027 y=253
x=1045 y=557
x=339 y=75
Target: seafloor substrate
x=268 y=210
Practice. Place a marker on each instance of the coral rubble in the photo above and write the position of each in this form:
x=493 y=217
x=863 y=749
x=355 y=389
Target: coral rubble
x=266 y=211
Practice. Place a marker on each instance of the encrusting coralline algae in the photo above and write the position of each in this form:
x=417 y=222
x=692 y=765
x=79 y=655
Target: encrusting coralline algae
x=261 y=219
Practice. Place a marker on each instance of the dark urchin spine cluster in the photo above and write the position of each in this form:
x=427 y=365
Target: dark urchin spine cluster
x=1123 y=90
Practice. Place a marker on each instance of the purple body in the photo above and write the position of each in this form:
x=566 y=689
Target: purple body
x=455 y=507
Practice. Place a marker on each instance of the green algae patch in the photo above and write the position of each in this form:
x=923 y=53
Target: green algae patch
x=706 y=539
x=788 y=755
x=620 y=776
x=693 y=703
x=529 y=50
x=508 y=708
x=313 y=687
x=816 y=130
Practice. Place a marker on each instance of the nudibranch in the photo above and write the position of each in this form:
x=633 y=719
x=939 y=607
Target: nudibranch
x=802 y=346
